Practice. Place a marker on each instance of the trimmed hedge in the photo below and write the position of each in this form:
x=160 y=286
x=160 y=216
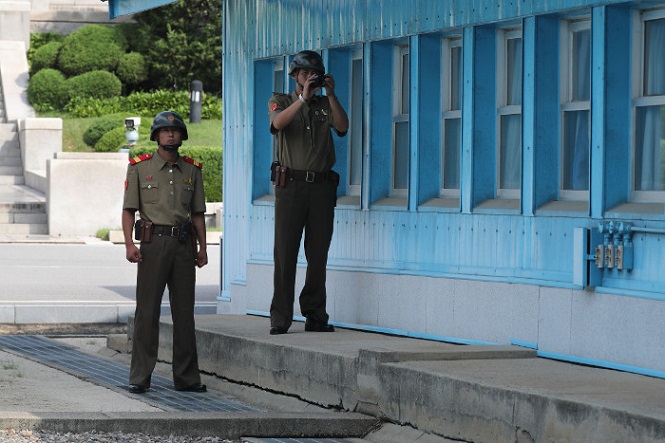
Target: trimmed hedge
x=144 y=103
x=91 y=48
x=111 y=141
x=45 y=57
x=45 y=90
x=100 y=127
x=132 y=69
x=94 y=84
x=211 y=157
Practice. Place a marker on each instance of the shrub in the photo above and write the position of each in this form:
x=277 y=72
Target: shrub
x=100 y=127
x=132 y=69
x=45 y=57
x=37 y=40
x=211 y=157
x=144 y=103
x=95 y=84
x=112 y=141
x=91 y=48
x=45 y=90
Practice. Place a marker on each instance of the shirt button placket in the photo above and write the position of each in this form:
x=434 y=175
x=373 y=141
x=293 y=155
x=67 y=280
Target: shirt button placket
x=172 y=190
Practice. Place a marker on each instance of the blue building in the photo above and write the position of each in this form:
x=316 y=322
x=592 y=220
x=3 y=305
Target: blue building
x=503 y=180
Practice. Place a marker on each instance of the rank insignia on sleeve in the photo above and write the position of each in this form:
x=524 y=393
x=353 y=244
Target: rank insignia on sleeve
x=192 y=161
x=273 y=106
x=139 y=158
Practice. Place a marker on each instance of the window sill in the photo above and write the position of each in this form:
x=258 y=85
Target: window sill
x=441 y=205
x=638 y=211
x=265 y=200
x=348 y=202
x=558 y=207
x=390 y=204
x=499 y=206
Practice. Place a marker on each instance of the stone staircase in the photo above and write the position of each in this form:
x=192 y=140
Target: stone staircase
x=22 y=209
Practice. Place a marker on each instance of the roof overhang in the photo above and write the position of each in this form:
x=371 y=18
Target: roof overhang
x=119 y=8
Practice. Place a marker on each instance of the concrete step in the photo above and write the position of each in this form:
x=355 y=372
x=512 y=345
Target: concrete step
x=12 y=180
x=10 y=150
x=10 y=160
x=8 y=137
x=22 y=207
x=24 y=218
x=23 y=229
x=4 y=126
x=11 y=170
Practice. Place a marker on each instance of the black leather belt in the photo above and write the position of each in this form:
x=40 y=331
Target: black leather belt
x=172 y=231
x=309 y=176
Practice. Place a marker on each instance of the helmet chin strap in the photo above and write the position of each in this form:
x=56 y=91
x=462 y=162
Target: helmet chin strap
x=172 y=147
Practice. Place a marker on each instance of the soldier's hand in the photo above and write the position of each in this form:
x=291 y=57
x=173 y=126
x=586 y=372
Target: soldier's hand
x=202 y=258
x=134 y=254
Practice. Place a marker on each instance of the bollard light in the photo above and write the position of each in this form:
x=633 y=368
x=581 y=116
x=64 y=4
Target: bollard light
x=195 y=97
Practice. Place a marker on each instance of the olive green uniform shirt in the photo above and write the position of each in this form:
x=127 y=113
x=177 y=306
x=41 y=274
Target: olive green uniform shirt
x=164 y=193
x=306 y=144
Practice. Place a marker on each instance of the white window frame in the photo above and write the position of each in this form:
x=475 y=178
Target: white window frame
x=448 y=43
x=503 y=109
x=401 y=50
x=354 y=190
x=568 y=104
x=640 y=100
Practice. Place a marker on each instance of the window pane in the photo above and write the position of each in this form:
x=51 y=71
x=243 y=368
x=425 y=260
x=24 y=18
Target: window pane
x=455 y=78
x=650 y=149
x=356 y=136
x=451 y=154
x=278 y=80
x=511 y=152
x=576 y=151
x=654 y=57
x=514 y=72
x=401 y=163
x=405 y=105
x=581 y=69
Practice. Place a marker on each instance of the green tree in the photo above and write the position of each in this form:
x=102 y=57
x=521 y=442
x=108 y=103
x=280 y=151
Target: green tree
x=182 y=42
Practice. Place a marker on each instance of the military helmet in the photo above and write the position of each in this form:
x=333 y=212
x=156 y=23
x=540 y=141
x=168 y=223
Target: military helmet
x=168 y=119
x=307 y=60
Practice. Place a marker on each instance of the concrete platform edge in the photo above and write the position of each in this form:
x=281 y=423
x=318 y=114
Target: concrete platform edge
x=411 y=393
x=227 y=425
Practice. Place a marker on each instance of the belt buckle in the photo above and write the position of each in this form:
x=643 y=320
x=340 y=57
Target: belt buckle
x=174 y=231
x=309 y=177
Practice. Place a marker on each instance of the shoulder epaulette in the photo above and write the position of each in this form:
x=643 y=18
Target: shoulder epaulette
x=139 y=158
x=192 y=161
x=278 y=94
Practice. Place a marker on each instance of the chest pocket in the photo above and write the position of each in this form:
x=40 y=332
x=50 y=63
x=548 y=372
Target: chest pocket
x=150 y=192
x=186 y=194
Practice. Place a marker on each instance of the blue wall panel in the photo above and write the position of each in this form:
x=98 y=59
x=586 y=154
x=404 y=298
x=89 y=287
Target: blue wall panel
x=468 y=245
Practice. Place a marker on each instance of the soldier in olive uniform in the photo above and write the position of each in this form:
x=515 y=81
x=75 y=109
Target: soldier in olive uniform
x=167 y=190
x=306 y=189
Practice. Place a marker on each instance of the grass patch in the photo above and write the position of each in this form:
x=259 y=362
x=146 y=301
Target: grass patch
x=8 y=365
x=205 y=133
x=103 y=233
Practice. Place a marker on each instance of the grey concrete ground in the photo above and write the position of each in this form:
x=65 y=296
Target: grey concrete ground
x=423 y=391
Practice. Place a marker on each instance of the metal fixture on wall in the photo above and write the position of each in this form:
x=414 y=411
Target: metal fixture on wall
x=605 y=249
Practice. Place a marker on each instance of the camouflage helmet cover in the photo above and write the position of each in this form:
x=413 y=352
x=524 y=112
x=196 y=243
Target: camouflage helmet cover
x=168 y=119
x=307 y=60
